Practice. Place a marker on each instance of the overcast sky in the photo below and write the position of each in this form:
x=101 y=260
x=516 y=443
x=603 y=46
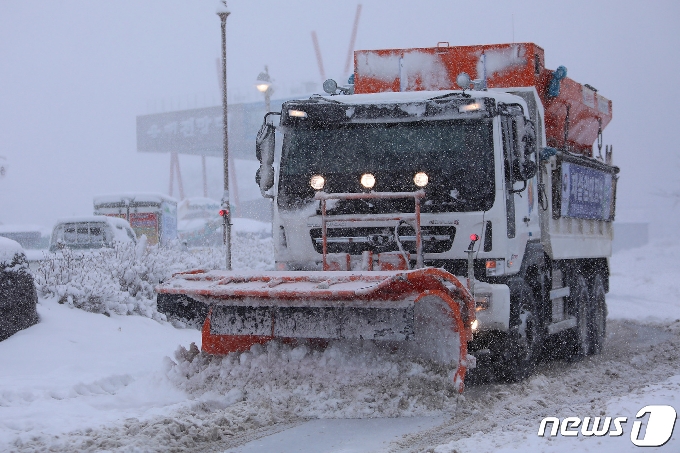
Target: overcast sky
x=75 y=74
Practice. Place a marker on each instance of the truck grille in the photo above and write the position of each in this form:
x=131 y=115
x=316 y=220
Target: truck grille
x=381 y=239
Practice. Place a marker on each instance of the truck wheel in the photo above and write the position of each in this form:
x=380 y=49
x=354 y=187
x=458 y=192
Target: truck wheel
x=524 y=340
x=598 y=315
x=578 y=338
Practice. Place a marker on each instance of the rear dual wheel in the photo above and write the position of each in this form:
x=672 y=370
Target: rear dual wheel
x=578 y=343
x=597 y=327
x=524 y=338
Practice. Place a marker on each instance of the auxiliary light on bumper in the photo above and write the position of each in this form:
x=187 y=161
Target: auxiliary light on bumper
x=317 y=182
x=420 y=179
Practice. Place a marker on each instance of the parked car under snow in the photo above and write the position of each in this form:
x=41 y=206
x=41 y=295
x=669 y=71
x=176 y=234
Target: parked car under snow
x=90 y=232
x=18 y=296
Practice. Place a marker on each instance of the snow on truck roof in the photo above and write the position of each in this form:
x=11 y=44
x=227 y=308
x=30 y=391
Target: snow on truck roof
x=422 y=96
x=133 y=197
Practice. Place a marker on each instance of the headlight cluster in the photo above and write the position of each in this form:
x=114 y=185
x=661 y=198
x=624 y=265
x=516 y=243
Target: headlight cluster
x=420 y=179
x=317 y=182
x=368 y=180
x=482 y=302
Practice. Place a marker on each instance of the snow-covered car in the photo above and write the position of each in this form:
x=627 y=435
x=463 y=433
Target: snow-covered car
x=18 y=296
x=92 y=232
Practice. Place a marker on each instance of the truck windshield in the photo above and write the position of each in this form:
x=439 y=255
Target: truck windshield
x=457 y=155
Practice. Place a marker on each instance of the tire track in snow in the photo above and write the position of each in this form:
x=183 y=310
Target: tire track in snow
x=635 y=355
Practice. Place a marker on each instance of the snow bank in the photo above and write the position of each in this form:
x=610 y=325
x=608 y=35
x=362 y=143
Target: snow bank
x=345 y=380
x=243 y=225
x=77 y=369
x=644 y=283
x=121 y=280
x=8 y=249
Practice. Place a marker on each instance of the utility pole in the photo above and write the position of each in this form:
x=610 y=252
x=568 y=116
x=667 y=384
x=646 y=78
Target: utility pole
x=226 y=212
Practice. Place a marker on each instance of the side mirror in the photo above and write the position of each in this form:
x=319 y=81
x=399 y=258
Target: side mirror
x=264 y=150
x=523 y=168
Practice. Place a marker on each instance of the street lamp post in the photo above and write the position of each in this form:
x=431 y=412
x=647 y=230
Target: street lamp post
x=264 y=86
x=226 y=212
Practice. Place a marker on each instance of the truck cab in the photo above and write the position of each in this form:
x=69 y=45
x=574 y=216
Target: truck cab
x=462 y=147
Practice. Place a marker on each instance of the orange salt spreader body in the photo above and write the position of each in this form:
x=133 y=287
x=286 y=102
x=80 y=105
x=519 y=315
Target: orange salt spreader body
x=573 y=118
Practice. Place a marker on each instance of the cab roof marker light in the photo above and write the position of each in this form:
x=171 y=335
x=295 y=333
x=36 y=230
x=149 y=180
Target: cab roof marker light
x=469 y=107
x=297 y=113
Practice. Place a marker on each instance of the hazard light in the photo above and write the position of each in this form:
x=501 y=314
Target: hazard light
x=495 y=267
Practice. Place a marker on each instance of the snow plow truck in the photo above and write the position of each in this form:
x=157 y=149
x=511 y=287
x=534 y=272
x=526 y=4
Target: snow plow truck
x=446 y=197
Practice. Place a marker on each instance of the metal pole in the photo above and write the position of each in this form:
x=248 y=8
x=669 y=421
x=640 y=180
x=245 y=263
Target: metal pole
x=205 y=177
x=419 y=240
x=324 y=233
x=226 y=222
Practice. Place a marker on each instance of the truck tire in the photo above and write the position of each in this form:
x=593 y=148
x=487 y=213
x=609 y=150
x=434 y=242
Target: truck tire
x=524 y=340
x=578 y=339
x=597 y=327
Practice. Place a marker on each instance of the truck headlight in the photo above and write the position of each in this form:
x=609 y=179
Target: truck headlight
x=420 y=179
x=317 y=182
x=482 y=301
x=367 y=180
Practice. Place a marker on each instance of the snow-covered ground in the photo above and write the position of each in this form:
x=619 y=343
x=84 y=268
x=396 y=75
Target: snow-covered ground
x=80 y=381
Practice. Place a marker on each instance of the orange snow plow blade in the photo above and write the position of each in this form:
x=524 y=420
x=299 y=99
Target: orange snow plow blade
x=247 y=308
